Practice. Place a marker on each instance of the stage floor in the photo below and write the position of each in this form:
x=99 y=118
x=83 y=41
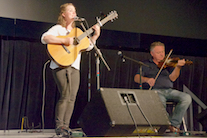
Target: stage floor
x=50 y=133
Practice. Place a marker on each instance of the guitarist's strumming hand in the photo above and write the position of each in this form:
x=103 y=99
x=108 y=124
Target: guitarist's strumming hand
x=68 y=41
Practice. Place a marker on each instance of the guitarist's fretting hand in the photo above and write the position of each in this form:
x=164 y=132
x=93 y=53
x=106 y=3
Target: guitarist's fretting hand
x=70 y=40
x=96 y=34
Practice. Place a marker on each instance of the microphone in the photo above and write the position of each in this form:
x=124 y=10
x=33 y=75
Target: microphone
x=120 y=54
x=79 y=19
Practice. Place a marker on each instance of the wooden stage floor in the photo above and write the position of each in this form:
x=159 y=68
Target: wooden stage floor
x=50 y=133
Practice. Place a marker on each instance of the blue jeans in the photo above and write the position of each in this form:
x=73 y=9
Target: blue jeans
x=183 y=101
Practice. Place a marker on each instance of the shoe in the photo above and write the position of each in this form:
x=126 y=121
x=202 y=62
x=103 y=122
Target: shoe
x=68 y=130
x=174 y=129
x=62 y=131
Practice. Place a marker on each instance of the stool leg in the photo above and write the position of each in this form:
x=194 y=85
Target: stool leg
x=184 y=125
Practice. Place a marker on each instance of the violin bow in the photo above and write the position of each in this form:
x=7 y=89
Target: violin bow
x=162 y=67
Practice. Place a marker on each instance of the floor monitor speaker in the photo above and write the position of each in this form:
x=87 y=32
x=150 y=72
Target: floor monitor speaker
x=124 y=112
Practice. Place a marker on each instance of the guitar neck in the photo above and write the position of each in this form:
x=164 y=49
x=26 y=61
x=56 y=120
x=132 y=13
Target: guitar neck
x=90 y=30
x=100 y=23
x=86 y=33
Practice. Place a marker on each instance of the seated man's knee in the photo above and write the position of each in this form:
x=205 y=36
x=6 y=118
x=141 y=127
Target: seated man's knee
x=187 y=98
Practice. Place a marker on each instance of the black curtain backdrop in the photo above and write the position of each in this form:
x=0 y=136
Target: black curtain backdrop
x=21 y=82
x=21 y=95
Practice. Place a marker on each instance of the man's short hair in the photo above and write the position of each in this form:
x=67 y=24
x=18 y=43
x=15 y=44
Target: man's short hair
x=152 y=46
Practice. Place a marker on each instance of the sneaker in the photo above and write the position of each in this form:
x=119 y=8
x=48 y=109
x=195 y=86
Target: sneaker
x=174 y=129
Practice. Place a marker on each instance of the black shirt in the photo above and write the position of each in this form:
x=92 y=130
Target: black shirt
x=163 y=81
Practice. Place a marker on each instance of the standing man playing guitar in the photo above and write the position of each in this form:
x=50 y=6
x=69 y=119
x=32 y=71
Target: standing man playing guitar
x=67 y=78
x=164 y=83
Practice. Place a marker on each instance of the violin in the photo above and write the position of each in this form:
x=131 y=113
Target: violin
x=172 y=62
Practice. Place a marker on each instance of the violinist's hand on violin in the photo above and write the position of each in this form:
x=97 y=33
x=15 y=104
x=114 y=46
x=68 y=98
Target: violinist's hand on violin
x=181 y=63
x=151 y=81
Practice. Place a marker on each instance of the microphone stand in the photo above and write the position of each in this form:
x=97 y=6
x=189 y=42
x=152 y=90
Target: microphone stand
x=96 y=49
x=98 y=54
x=140 y=67
x=97 y=71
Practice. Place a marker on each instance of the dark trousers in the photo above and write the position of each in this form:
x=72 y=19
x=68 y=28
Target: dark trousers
x=67 y=80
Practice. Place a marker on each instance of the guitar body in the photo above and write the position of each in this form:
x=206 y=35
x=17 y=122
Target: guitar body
x=66 y=55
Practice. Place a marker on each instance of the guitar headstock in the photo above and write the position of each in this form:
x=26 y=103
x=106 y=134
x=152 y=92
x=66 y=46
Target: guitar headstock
x=112 y=15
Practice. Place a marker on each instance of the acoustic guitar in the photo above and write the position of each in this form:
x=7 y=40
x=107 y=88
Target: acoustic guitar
x=65 y=55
